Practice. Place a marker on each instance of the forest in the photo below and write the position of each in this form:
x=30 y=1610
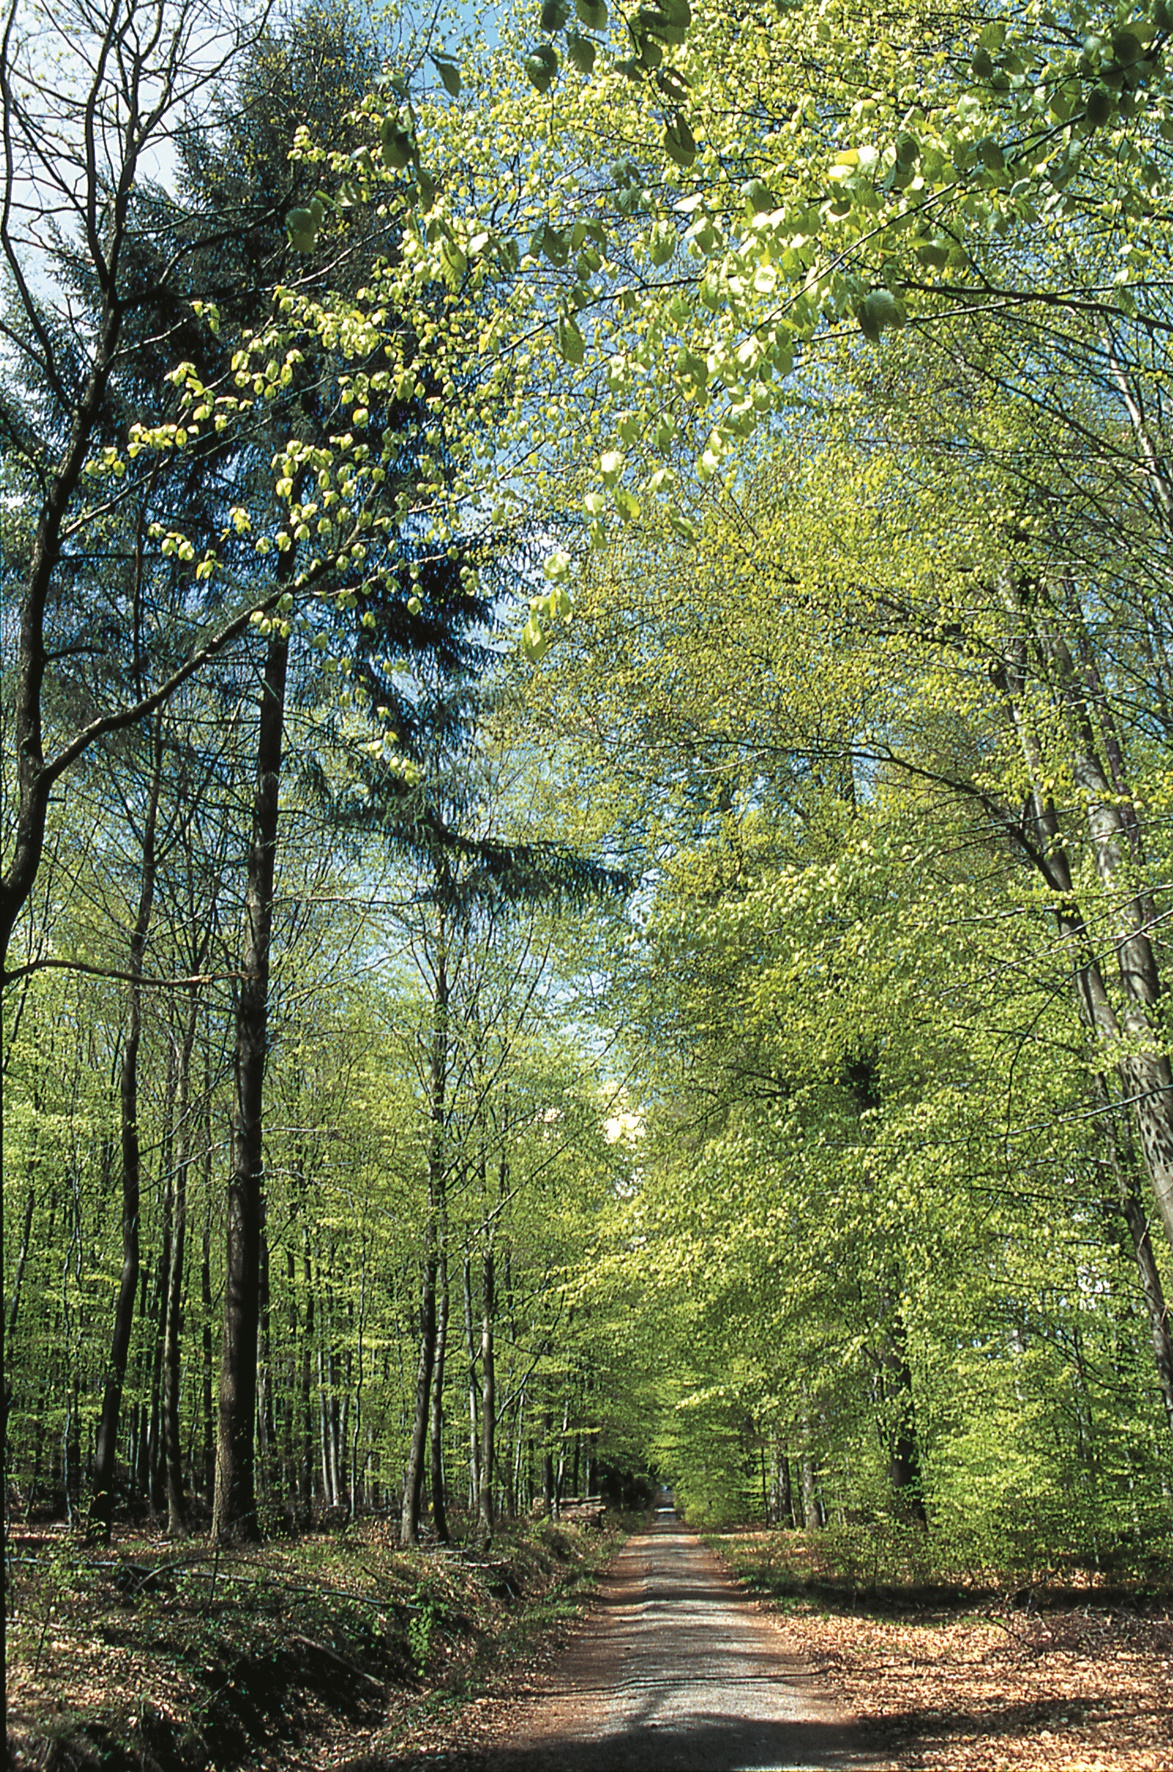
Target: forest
x=587 y=715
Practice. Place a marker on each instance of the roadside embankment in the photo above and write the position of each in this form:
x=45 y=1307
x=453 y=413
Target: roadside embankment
x=159 y=1656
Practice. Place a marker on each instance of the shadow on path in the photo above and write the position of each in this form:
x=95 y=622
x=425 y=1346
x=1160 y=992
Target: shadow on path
x=706 y=1744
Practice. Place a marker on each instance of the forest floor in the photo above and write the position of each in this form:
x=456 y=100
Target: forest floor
x=1038 y=1677
x=335 y=1650
x=158 y=1656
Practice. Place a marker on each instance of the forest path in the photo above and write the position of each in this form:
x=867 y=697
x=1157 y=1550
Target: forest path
x=674 y=1667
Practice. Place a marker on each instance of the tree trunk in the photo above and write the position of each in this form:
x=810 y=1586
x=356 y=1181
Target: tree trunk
x=206 y=1351
x=547 y=1463
x=155 y=1454
x=560 y=1469
x=904 y=1466
x=307 y=1379
x=264 y=1427
x=783 y=1492
x=812 y=1513
x=21 y=1259
x=234 y=1512
x=102 y=1505
x=1130 y=1037
x=485 y=1515
x=1145 y=1069
x=433 y=1231
x=1123 y=1166
x=474 y=1449
x=439 y=1513
x=413 y=1480
x=172 y=1442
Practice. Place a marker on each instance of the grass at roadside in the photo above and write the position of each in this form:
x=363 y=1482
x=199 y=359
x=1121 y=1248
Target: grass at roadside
x=156 y=1655
x=948 y=1678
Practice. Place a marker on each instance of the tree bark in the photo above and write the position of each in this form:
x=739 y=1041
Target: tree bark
x=439 y=1512
x=547 y=1463
x=433 y=1231
x=172 y=1442
x=105 y=1451
x=812 y=1511
x=1123 y=1166
x=206 y=1351
x=1144 y=1069
x=413 y=1479
x=904 y=1466
x=485 y=1512
x=783 y=1491
x=1130 y=1035
x=234 y=1511
x=474 y=1450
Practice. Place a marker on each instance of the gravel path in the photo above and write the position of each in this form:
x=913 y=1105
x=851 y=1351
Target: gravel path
x=674 y=1668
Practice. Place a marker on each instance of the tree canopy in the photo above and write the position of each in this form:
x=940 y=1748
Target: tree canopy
x=587 y=769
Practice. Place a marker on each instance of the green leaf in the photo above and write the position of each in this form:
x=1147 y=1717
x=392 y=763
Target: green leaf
x=541 y=67
x=593 y=13
x=669 y=20
x=580 y=52
x=679 y=141
x=398 y=146
x=301 y=228
x=552 y=244
x=662 y=243
x=449 y=73
x=884 y=307
x=554 y=15
x=1099 y=107
x=534 y=643
x=570 y=341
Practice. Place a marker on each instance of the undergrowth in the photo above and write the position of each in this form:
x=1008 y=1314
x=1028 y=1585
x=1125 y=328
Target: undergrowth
x=167 y=1657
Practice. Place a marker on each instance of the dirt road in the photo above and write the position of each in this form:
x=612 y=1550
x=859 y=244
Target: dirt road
x=674 y=1668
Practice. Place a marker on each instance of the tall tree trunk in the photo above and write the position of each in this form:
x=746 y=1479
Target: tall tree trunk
x=102 y=1505
x=307 y=1378
x=439 y=1512
x=206 y=1353
x=1131 y=1035
x=234 y=1511
x=904 y=1466
x=26 y=1235
x=264 y=1428
x=413 y=1481
x=782 y=1490
x=1122 y=1161
x=172 y=1440
x=293 y=1473
x=547 y=1463
x=485 y=1514
x=474 y=1445
x=1145 y=1068
x=812 y=1513
x=560 y=1470
x=155 y=1480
